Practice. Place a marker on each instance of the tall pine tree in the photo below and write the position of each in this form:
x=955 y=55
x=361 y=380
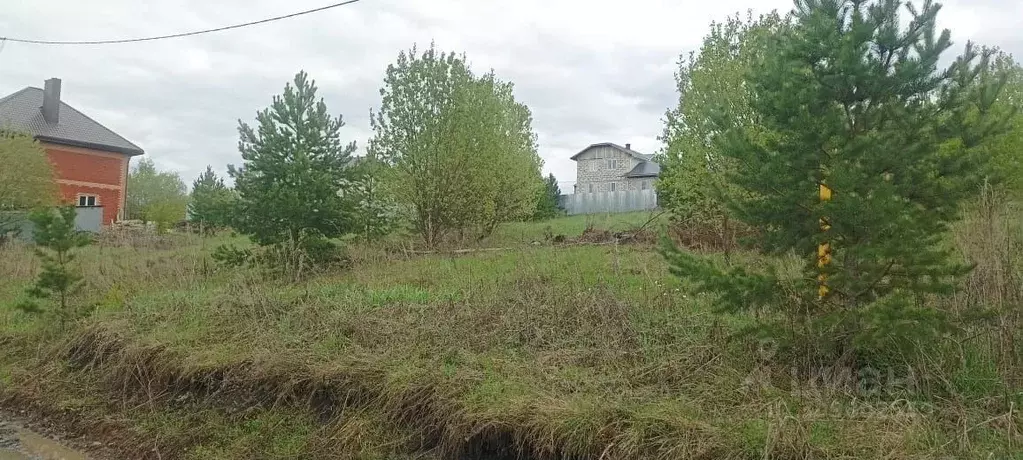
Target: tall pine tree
x=865 y=157
x=211 y=201
x=294 y=165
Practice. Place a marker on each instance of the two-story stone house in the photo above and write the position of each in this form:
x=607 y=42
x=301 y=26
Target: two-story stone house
x=608 y=167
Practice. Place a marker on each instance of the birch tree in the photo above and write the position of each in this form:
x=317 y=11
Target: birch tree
x=714 y=95
x=459 y=149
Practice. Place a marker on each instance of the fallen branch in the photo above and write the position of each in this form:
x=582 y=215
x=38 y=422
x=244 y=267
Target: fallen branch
x=655 y=217
x=512 y=248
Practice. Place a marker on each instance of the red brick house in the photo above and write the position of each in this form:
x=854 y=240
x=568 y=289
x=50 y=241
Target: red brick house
x=90 y=161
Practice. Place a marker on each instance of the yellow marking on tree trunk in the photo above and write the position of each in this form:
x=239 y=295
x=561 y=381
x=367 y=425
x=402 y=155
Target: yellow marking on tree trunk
x=823 y=249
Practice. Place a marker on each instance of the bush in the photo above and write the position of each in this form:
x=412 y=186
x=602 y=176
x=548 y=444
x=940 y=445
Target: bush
x=313 y=254
x=229 y=255
x=324 y=253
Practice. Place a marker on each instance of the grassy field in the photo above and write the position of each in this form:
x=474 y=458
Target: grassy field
x=540 y=350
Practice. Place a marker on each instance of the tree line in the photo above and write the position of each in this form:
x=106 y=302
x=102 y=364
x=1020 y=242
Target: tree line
x=453 y=154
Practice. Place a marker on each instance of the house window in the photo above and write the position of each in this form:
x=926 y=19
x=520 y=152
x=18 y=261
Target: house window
x=612 y=164
x=87 y=200
x=645 y=185
x=591 y=188
x=613 y=186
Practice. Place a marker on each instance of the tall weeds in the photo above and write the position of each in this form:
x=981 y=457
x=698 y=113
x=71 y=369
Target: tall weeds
x=991 y=237
x=539 y=352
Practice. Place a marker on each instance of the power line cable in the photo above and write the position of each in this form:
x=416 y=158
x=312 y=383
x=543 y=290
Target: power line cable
x=184 y=34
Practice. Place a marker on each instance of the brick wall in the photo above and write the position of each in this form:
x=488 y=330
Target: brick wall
x=107 y=198
x=85 y=167
x=91 y=172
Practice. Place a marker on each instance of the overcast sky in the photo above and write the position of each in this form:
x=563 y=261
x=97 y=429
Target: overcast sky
x=591 y=71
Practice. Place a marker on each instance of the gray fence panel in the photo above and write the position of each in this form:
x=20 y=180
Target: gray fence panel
x=87 y=219
x=603 y=202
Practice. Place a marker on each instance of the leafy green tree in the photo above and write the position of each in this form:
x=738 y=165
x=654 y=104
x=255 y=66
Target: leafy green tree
x=517 y=167
x=1006 y=148
x=294 y=165
x=26 y=180
x=548 y=205
x=494 y=133
x=211 y=201
x=852 y=100
x=714 y=95
x=408 y=136
x=55 y=237
x=156 y=196
x=459 y=149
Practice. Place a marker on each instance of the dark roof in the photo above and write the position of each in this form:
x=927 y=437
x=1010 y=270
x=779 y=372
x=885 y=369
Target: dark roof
x=20 y=111
x=645 y=169
x=633 y=153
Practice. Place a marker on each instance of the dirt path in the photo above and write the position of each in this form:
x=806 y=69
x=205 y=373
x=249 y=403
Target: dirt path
x=20 y=443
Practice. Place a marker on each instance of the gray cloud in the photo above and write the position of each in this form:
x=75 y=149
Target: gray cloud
x=590 y=71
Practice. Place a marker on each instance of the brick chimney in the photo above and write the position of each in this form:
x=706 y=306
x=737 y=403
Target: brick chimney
x=627 y=146
x=51 y=101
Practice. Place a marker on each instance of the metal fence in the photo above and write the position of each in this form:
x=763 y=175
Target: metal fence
x=599 y=202
x=87 y=219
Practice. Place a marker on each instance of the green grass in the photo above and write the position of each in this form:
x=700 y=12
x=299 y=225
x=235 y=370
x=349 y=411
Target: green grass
x=583 y=350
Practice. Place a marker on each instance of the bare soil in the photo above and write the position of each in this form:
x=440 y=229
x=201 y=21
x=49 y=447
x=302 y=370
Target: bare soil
x=24 y=439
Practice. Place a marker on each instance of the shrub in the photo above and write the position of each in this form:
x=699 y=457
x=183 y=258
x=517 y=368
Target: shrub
x=229 y=255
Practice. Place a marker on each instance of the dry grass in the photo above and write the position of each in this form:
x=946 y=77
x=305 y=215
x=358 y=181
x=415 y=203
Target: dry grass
x=542 y=352
x=991 y=237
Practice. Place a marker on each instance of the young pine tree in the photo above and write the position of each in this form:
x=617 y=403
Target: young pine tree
x=375 y=213
x=55 y=238
x=294 y=165
x=855 y=109
x=211 y=201
x=548 y=205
